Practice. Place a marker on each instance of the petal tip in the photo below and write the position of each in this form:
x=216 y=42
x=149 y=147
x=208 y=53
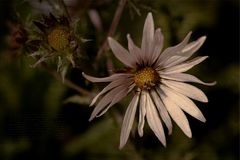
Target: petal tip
x=120 y=146
x=203 y=38
x=109 y=39
x=205 y=100
x=149 y=18
x=91 y=118
x=189 y=134
x=128 y=36
x=188 y=35
x=165 y=145
x=169 y=132
x=140 y=133
x=213 y=83
x=84 y=75
x=122 y=143
x=204 y=120
x=149 y=14
x=210 y=83
x=158 y=30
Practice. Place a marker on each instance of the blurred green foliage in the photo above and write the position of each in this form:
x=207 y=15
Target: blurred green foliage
x=40 y=118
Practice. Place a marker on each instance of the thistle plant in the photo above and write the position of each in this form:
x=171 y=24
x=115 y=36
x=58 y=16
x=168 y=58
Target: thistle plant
x=55 y=42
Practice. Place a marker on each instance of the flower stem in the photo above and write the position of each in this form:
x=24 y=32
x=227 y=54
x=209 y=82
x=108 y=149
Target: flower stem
x=113 y=27
x=66 y=82
x=71 y=85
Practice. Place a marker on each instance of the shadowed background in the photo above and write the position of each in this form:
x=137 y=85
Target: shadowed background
x=40 y=118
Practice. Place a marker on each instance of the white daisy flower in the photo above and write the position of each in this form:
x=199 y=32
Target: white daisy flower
x=156 y=80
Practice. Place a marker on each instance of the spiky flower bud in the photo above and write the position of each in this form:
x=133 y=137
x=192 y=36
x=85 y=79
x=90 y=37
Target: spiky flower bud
x=58 y=39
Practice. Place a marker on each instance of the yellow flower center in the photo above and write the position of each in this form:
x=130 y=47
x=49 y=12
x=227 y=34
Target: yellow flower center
x=58 y=38
x=146 y=78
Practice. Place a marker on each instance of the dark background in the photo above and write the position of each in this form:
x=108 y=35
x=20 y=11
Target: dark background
x=36 y=121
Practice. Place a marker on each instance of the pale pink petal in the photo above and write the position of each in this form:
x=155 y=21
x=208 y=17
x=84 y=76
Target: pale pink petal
x=121 y=53
x=147 y=39
x=134 y=50
x=120 y=95
x=184 y=103
x=112 y=85
x=187 y=90
x=183 y=67
x=128 y=120
x=192 y=47
x=185 y=53
x=142 y=112
x=154 y=121
x=158 y=45
x=171 y=51
x=177 y=114
x=108 y=98
x=107 y=79
x=162 y=111
x=184 y=77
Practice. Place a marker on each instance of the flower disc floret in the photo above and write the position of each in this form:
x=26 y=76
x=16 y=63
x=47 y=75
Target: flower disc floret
x=146 y=78
x=58 y=39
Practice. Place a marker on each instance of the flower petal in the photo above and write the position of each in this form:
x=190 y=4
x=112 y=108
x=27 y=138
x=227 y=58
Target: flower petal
x=184 y=77
x=107 y=79
x=121 y=53
x=147 y=39
x=142 y=112
x=192 y=47
x=162 y=111
x=128 y=120
x=171 y=51
x=108 y=98
x=158 y=45
x=185 y=53
x=187 y=90
x=154 y=121
x=112 y=85
x=134 y=50
x=120 y=95
x=184 y=66
x=184 y=103
x=177 y=114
